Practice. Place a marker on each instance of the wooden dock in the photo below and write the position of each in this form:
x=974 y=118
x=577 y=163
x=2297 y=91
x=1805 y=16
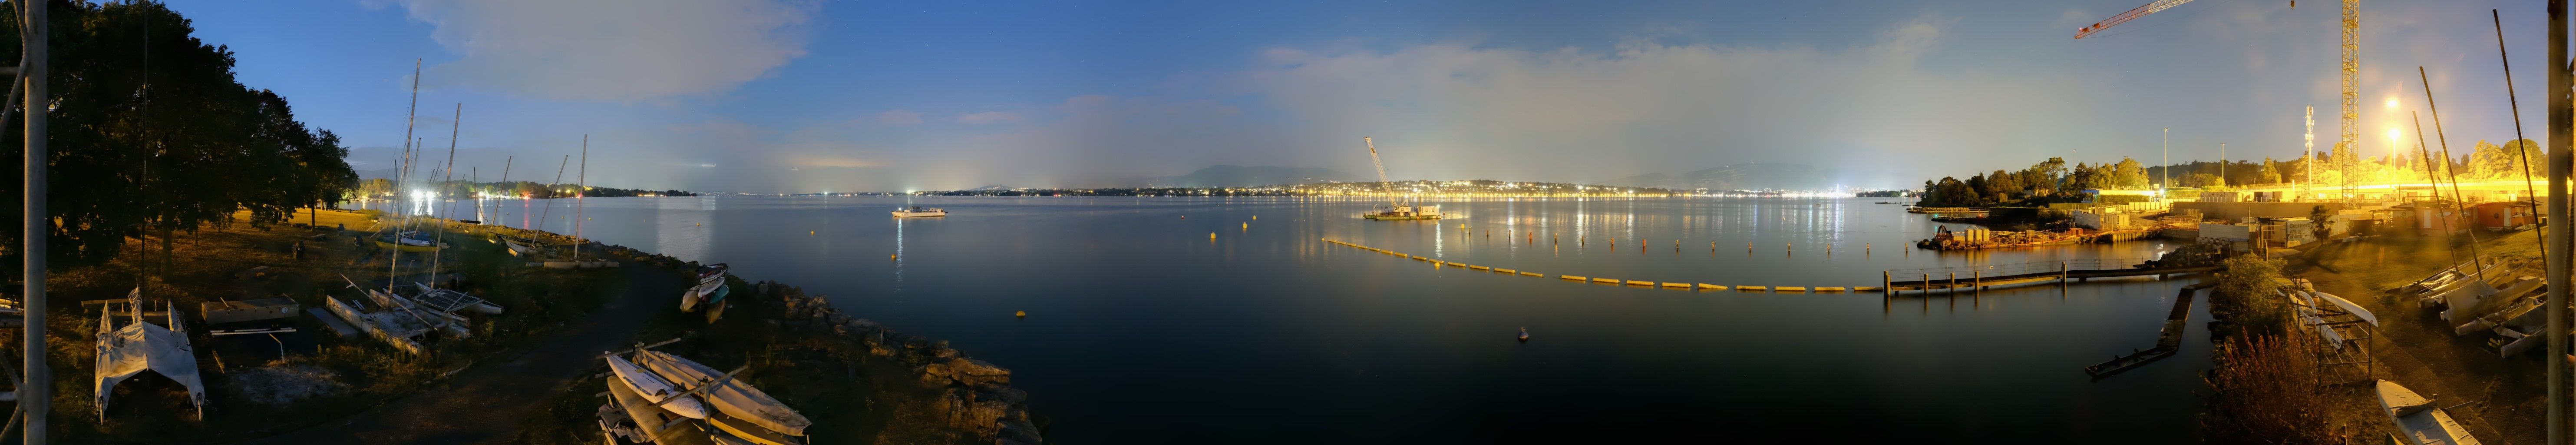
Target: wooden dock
x=1981 y=277
x=2168 y=341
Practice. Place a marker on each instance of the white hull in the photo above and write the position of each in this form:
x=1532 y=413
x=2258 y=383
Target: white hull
x=919 y=214
x=655 y=389
x=2419 y=419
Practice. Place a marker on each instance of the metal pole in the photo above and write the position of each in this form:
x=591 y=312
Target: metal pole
x=36 y=396
x=2560 y=117
x=2510 y=100
x=580 y=190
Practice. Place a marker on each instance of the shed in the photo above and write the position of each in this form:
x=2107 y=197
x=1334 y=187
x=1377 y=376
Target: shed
x=2505 y=215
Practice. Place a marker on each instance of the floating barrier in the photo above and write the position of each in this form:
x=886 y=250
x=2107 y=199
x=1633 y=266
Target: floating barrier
x=1438 y=263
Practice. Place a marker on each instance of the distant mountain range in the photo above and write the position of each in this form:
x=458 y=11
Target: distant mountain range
x=1243 y=176
x=1746 y=176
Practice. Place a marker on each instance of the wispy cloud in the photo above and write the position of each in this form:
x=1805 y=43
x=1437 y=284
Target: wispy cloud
x=988 y=117
x=613 y=50
x=899 y=117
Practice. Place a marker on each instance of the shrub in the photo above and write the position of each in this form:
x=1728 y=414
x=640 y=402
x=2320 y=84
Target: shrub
x=2248 y=294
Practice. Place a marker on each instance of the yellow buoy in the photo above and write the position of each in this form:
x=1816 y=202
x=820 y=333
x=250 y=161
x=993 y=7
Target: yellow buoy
x=1247 y=226
x=1021 y=314
x=1211 y=235
x=894 y=256
x=1256 y=217
x=809 y=232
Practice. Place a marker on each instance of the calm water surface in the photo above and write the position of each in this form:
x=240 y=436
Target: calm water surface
x=1143 y=329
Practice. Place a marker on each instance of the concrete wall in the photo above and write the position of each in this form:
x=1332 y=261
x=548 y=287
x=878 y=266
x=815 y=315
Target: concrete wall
x=2231 y=211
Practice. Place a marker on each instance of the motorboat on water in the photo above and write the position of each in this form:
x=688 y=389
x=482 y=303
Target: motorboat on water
x=710 y=289
x=918 y=211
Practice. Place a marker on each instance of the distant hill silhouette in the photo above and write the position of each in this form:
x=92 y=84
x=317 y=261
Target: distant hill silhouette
x=1746 y=176
x=1243 y=176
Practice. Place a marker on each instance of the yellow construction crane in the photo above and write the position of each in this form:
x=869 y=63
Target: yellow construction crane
x=1382 y=183
x=2351 y=83
x=1397 y=210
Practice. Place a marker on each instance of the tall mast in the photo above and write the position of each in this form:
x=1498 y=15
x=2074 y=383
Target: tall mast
x=394 y=255
x=580 y=190
x=447 y=208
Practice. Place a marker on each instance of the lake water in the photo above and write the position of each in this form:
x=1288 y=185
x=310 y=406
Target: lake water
x=1144 y=329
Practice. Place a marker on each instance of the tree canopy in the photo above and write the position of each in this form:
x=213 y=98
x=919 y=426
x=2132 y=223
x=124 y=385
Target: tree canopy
x=149 y=131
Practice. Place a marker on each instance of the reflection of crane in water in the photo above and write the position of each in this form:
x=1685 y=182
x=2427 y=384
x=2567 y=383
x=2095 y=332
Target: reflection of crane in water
x=1398 y=209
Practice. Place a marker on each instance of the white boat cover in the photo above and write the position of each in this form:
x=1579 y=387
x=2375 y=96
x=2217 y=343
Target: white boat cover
x=2415 y=415
x=2347 y=306
x=732 y=397
x=655 y=389
x=124 y=352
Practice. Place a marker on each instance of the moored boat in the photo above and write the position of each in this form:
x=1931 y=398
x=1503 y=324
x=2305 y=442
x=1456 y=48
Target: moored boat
x=918 y=211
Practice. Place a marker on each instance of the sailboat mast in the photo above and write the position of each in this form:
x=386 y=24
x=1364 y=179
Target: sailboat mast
x=394 y=258
x=446 y=208
x=580 y=190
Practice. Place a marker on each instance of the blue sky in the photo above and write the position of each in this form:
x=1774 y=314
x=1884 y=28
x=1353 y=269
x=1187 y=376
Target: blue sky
x=796 y=96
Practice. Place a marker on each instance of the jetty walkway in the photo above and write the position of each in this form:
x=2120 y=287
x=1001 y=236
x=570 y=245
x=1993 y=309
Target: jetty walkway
x=1984 y=276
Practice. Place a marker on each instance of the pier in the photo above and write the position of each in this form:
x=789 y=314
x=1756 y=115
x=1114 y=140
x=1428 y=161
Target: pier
x=1985 y=276
x=2168 y=340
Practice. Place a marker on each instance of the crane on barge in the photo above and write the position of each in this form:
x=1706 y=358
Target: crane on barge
x=1398 y=210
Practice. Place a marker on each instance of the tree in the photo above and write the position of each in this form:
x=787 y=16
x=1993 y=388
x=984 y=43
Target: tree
x=169 y=143
x=2005 y=185
x=2127 y=175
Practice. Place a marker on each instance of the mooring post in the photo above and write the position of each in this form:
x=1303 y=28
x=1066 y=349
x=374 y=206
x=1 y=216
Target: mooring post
x=35 y=395
x=1886 y=284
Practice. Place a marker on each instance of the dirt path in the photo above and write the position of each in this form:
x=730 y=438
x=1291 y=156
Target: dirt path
x=484 y=404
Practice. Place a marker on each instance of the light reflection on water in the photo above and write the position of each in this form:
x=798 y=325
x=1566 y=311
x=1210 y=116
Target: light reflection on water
x=1141 y=329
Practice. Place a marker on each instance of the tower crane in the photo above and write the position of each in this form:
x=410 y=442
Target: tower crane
x=2351 y=85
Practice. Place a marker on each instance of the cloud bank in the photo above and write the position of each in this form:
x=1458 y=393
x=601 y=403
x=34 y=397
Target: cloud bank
x=613 y=50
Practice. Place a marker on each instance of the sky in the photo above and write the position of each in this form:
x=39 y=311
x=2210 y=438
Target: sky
x=795 y=96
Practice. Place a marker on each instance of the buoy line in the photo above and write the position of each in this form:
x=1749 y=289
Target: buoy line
x=1609 y=281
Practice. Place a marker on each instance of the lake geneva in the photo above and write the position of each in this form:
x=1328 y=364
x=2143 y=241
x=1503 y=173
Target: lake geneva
x=1142 y=328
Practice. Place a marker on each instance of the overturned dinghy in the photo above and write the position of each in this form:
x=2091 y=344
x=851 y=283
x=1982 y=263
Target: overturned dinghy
x=126 y=351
